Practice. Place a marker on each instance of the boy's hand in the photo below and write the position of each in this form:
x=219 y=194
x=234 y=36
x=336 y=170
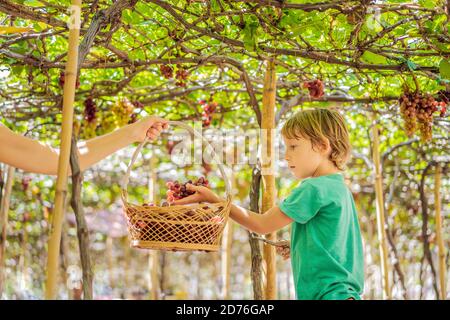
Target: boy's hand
x=284 y=249
x=202 y=194
x=150 y=127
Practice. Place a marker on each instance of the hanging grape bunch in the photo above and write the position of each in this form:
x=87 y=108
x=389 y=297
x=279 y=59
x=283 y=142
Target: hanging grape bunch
x=443 y=101
x=181 y=75
x=122 y=110
x=166 y=71
x=425 y=116
x=178 y=191
x=208 y=110
x=62 y=80
x=417 y=112
x=90 y=117
x=90 y=110
x=408 y=112
x=315 y=88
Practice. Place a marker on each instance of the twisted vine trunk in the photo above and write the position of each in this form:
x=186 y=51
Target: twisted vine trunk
x=390 y=234
x=426 y=242
x=82 y=228
x=256 y=268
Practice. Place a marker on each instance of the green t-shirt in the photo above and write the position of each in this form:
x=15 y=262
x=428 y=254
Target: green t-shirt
x=326 y=245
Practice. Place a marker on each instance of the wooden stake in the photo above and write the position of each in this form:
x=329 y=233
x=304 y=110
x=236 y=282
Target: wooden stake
x=4 y=209
x=439 y=238
x=70 y=75
x=268 y=168
x=380 y=214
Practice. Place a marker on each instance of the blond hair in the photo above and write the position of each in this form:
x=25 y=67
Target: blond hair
x=318 y=125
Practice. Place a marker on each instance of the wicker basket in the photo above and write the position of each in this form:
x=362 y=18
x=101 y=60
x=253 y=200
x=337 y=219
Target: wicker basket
x=178 y=227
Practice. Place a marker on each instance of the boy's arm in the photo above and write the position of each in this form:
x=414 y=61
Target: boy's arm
x=270 y=221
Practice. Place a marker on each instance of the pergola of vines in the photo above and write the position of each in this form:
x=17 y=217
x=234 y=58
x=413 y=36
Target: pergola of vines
x=364 y=51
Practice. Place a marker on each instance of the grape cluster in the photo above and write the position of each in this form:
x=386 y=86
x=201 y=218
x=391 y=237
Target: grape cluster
x=178 y=191
x=122 y=110
x=417 y=112
x=315 y=88
x=444 y=100
x=408 y=112
x=166 y=71
x=90 y=110
x=208 y=110
x=62 y=80
x=181 y=75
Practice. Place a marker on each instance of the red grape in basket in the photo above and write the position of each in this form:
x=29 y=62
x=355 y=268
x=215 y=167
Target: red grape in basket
x=179 y=190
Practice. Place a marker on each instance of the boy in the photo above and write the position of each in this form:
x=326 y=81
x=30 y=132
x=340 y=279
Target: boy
x=326 y=246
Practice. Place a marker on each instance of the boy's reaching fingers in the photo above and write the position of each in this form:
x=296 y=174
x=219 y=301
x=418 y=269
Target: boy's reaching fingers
x=195 y=198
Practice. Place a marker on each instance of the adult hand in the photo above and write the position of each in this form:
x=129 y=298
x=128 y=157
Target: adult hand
x=150 y=127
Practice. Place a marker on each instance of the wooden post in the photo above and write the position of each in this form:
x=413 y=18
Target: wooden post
x=380 y=213
x=268 y=167
x=4 y=209
x=82 y=228
x=439 y=238
x=70 y=75
x=153 y=255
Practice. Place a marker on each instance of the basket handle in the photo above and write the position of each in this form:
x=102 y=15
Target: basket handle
x=195 y=133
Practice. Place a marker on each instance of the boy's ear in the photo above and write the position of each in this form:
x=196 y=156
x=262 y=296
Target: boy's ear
x=325 y=146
